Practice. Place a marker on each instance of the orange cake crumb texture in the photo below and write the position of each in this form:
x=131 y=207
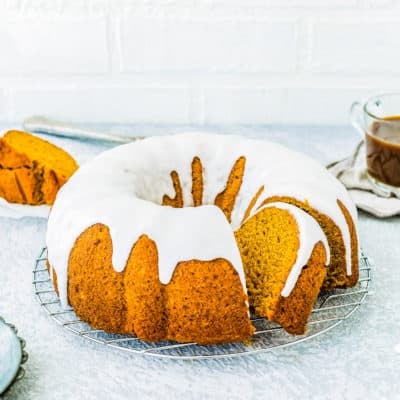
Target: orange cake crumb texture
x=337 y=275
x=268 y=243
x=32 y=170
x=204 y=301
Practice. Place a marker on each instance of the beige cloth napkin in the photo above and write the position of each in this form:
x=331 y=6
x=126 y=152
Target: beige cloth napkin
x=352 y=173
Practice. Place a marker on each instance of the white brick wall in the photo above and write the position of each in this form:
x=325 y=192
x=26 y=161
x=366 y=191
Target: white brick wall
x=207 y=45
x=142 y=105
x=365 y=46
x=52 y=46
x=3 y=105
x=195 y=61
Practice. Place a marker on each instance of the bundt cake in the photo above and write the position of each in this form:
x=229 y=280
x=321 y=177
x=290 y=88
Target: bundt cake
x=179 y=237
x=32 y=169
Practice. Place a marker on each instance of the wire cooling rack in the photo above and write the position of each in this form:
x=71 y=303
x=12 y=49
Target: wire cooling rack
x=330 y=310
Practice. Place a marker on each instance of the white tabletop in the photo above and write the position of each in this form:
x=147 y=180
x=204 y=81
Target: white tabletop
x=360 y=359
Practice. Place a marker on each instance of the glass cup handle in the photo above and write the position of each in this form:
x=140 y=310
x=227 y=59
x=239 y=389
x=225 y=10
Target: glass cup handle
x=356 y=111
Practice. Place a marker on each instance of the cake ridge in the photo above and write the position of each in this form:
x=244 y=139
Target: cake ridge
x=252 y=203
x=197 y=181
x=177 y=201
x=225 y=200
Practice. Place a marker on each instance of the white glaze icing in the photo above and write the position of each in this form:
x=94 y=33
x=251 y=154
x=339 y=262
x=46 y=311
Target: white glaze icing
x=310 y=233
x=123 y=189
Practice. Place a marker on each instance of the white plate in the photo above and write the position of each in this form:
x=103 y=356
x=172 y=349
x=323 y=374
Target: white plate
x=13 y=210
x=11 y=355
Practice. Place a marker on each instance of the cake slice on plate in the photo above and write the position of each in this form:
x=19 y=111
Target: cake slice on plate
x=32 y=170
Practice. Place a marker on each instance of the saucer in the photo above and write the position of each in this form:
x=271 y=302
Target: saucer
x=12 y=355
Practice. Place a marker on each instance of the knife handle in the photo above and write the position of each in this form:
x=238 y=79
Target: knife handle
x=52 y=127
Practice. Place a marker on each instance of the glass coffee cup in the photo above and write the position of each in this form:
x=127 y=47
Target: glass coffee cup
x=378 y=122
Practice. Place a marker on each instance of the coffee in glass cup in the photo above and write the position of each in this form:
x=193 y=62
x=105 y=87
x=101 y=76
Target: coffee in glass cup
x=378 y=121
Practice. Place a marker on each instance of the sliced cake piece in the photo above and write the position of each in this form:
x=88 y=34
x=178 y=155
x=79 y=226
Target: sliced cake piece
x=338 y=275
x=284 y=253
x=32 y=170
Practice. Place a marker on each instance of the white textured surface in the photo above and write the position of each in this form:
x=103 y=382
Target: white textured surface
x=358 y=360
x=195 y=61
